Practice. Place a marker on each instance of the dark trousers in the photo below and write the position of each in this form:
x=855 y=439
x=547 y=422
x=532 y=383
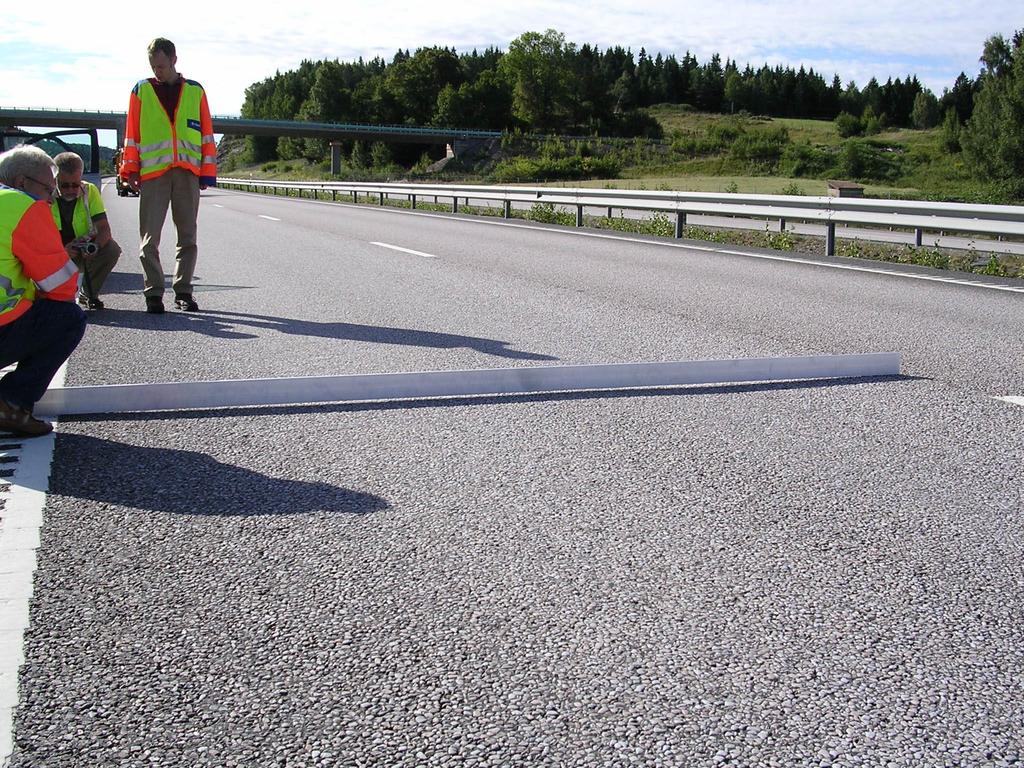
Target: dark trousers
x=39 y=342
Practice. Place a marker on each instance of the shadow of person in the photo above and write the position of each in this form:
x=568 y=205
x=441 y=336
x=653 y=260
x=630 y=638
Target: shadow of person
x=189 y=482
x=378 y=334
x=230 y=325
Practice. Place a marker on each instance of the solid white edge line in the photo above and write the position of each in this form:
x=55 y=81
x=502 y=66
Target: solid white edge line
x=170 y=396
x=1012 y=399
x=684 y=246
x=405 y=250
x=22 y=518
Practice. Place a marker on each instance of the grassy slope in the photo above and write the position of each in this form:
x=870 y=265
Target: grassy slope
x=928 y=170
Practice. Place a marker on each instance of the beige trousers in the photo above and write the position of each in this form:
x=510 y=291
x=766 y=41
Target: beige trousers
x=179 y=189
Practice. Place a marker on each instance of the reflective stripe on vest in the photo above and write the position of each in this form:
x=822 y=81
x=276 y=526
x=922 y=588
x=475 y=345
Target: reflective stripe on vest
x=14 y=284
x=163 y=145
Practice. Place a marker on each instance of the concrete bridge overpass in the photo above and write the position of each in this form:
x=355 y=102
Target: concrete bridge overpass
x=410 y=134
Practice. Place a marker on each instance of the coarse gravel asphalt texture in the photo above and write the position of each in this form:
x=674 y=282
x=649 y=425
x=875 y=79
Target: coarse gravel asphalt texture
x=792 y=574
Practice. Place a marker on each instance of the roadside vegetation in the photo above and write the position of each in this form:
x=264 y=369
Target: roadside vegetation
x=661 y=124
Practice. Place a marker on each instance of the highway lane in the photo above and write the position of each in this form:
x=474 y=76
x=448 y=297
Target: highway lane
x=802 y=573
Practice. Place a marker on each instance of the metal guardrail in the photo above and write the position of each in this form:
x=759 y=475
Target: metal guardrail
x=913 y=215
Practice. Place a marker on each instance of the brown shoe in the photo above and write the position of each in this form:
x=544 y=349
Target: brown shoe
x=21 y=422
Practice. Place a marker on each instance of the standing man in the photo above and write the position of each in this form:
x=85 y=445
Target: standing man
x=81 y=218
x=169 y=155
x=40 y=324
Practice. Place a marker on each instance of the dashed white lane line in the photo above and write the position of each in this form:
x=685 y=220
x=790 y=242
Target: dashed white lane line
x=686 y=246
x=268 y=218
x=406 y=250
x=1012 y=399
x=21 y=518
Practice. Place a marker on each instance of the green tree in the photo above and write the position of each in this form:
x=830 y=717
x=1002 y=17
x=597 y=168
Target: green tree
x=848 y=125
x=993 y=139
x=536 y=68
x=925 y=113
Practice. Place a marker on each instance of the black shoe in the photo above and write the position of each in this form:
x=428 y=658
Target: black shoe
x=185 y=302
x=154 y=305
x=89 y=302
x=21 y=422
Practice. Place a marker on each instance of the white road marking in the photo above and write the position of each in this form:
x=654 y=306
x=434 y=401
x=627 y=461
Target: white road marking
x=1012 y=399
x=217 y=205
x=406 y=250
x=186 y=395
x=687 y=247
x=20 y=521
x=268 y=218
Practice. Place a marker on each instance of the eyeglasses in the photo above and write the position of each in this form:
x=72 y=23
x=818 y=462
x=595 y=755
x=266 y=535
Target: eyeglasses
x=70 y=185
x=50 y=188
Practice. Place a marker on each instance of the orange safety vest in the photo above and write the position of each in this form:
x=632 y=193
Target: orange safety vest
x=32 y=259
x=153 y=143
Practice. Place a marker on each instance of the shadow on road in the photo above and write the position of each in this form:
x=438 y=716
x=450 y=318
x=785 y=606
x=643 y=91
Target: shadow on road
x=130 y=283
x=189 y=482
x=225 y=325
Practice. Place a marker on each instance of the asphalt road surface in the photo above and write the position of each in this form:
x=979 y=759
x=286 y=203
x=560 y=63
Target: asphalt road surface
x=802 y=573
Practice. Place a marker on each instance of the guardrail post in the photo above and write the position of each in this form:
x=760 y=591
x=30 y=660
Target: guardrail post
x=782 y=225
x=609 y=211
x=579 y=215
x=506 y=212
x=917 y=237
x=830 y=239
x=412 y=201
x=455 y=205
x=382 y=198
x=680 y=223
x=334 y=195
x=355 y=198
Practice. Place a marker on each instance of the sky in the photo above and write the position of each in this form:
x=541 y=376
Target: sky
x=89 y=55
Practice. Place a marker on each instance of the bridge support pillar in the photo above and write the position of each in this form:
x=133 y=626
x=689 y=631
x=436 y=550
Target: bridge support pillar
x=335 y=158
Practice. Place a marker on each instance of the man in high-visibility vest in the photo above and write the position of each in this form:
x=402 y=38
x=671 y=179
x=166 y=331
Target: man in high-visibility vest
x=169 y=155
x=40 y=324
x=80 y=216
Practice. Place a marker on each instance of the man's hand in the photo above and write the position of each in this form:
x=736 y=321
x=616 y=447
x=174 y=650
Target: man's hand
x=134 y=181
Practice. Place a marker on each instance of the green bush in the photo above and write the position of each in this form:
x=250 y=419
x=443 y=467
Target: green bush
x=804 y=160
x=546 y=213
x=762 y=147
x=562 y=169
x=848 y=125
x=860 y=159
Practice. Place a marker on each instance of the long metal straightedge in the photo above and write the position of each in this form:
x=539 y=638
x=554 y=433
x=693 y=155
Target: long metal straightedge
x=188 y=395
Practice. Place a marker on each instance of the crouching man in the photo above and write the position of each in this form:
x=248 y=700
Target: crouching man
x=81 y=218
x=40 y=324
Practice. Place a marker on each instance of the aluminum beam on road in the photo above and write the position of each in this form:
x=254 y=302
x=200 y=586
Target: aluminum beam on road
x=174 y=396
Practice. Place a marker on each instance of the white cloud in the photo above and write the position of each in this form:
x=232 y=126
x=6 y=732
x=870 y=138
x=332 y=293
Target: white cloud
x=227 y=46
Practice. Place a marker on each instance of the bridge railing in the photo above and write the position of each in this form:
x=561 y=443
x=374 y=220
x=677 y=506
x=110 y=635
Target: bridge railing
x=913 y=215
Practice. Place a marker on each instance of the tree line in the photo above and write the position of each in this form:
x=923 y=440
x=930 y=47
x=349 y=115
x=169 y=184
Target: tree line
x=544 y=84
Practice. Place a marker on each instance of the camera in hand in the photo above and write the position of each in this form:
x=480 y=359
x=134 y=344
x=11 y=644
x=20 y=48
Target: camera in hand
x=86 y=247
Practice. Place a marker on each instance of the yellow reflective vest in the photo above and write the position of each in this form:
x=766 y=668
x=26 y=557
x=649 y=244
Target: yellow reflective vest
x=153 y=143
